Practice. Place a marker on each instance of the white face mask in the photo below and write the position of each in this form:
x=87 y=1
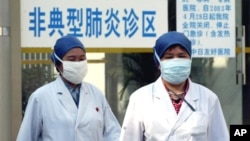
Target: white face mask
x=176 y=70
x=74 y=71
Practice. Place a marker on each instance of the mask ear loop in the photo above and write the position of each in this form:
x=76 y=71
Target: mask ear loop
x=55 y=61
x=57 y=57
x=157 y=57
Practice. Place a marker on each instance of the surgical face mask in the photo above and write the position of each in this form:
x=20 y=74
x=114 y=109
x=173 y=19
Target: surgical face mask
x=74 y=71
x=176 y=70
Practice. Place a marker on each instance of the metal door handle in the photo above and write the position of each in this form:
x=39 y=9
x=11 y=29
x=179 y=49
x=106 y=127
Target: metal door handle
x=243 y=51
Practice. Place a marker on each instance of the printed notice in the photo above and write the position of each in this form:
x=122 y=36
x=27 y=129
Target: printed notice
x=210 y=25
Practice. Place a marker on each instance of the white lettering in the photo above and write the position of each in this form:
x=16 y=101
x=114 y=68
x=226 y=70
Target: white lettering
x=240 y=132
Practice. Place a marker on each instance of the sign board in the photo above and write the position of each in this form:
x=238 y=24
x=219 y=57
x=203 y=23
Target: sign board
x=98 y=23
x=209 y=24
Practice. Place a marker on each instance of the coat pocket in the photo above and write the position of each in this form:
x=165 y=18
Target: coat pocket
x=198 y=128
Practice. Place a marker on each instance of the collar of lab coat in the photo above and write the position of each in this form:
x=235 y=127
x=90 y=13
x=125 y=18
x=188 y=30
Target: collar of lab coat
x=160 y=92
x=67 y=101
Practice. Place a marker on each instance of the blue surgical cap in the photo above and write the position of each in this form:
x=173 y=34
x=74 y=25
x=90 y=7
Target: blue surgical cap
x=166 y=40
x=63 y=45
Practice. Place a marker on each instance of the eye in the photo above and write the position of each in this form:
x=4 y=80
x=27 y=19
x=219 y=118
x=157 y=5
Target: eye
x=183 y=55
x=73 y=58
x=83 y=57
x=167 y=56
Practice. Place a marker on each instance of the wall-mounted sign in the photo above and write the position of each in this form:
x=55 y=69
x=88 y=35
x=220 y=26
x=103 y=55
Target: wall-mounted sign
x=209 y=24
x=98 y=23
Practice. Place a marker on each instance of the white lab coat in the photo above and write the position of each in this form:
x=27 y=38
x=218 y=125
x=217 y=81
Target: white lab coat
x=52 y=115
x=150 y=116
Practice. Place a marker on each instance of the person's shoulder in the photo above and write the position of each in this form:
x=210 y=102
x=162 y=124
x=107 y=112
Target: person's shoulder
x=91 y=87
x=45 y=86
x=41 y=92
x=143 y=92
x=94 y=92
x=205 y=91
x=89 y=84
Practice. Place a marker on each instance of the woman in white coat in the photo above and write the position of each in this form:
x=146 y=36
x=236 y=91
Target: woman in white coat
x=174 y=108
x=69 y=109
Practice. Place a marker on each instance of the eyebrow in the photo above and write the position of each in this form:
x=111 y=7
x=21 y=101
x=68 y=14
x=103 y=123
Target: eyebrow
x=169 y=53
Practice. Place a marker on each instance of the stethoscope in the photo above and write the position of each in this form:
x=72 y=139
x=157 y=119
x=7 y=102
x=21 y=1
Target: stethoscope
x=179 y=96
x=182 y=98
